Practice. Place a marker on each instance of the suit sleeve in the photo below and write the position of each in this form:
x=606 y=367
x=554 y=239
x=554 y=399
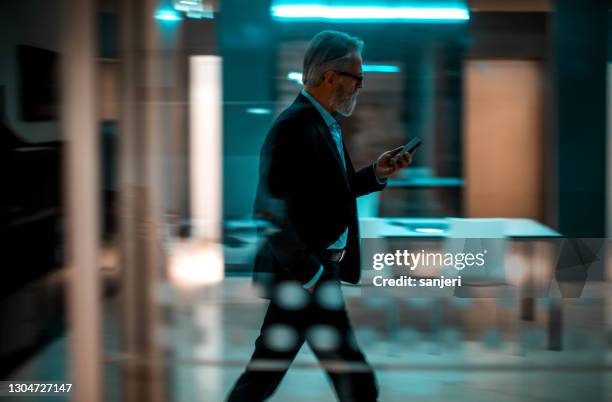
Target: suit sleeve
x=365 y=181
x=282 y=165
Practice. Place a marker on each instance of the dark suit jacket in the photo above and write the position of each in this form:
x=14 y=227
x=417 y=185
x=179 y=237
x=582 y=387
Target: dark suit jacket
x=307 y=197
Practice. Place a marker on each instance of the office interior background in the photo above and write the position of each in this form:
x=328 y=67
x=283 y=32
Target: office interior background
x=130 y=138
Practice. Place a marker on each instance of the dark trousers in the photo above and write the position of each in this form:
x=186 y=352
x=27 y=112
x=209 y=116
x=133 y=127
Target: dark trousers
x=293 y=317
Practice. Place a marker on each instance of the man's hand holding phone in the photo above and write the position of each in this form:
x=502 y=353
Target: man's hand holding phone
x=391 y=161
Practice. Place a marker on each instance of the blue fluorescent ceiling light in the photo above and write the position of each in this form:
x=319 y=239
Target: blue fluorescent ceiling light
x=167 y=15
x=194 y=8
x=258 y=110
x=295 y=76
x=381 y=11
x=370 y=68
x=380 y=68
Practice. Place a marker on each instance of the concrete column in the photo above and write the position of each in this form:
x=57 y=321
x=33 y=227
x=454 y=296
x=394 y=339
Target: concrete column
x=79 y=122
x=146 y=55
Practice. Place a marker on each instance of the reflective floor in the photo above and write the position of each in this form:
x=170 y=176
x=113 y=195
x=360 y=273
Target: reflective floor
x=425 y=350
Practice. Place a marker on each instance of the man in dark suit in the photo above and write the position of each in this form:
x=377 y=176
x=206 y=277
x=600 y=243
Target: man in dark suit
x=307 y=191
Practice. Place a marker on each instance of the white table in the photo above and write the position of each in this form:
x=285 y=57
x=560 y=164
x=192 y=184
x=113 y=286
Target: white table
x=516 y=229
x=439 y=227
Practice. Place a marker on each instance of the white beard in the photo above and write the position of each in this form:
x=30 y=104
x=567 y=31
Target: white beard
x=344 y=105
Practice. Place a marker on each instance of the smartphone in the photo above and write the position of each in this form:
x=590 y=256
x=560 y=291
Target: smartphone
x=410 y=146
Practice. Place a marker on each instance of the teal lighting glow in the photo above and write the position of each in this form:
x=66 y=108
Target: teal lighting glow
x=295 y=76
x=194 y=8
x=258 y=110
x=367 y=13
x=380 y=68
x=369 y=68
x=167 y=15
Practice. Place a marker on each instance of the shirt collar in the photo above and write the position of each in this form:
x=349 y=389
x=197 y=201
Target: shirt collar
x=329 y=119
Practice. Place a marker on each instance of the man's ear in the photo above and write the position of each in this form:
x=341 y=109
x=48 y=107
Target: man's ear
x=329 y=76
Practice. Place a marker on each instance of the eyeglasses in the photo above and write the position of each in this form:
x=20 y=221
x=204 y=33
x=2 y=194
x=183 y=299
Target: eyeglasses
x=358 y=78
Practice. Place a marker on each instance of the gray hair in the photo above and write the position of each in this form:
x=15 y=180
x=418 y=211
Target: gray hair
x=328 y=50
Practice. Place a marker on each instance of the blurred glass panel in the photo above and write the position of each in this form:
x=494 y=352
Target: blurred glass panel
x=187 y=92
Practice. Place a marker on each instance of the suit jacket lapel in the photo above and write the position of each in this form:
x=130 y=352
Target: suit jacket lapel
x=327 y=136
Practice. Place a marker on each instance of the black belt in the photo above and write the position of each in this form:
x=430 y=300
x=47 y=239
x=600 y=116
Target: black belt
x=333 y=255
